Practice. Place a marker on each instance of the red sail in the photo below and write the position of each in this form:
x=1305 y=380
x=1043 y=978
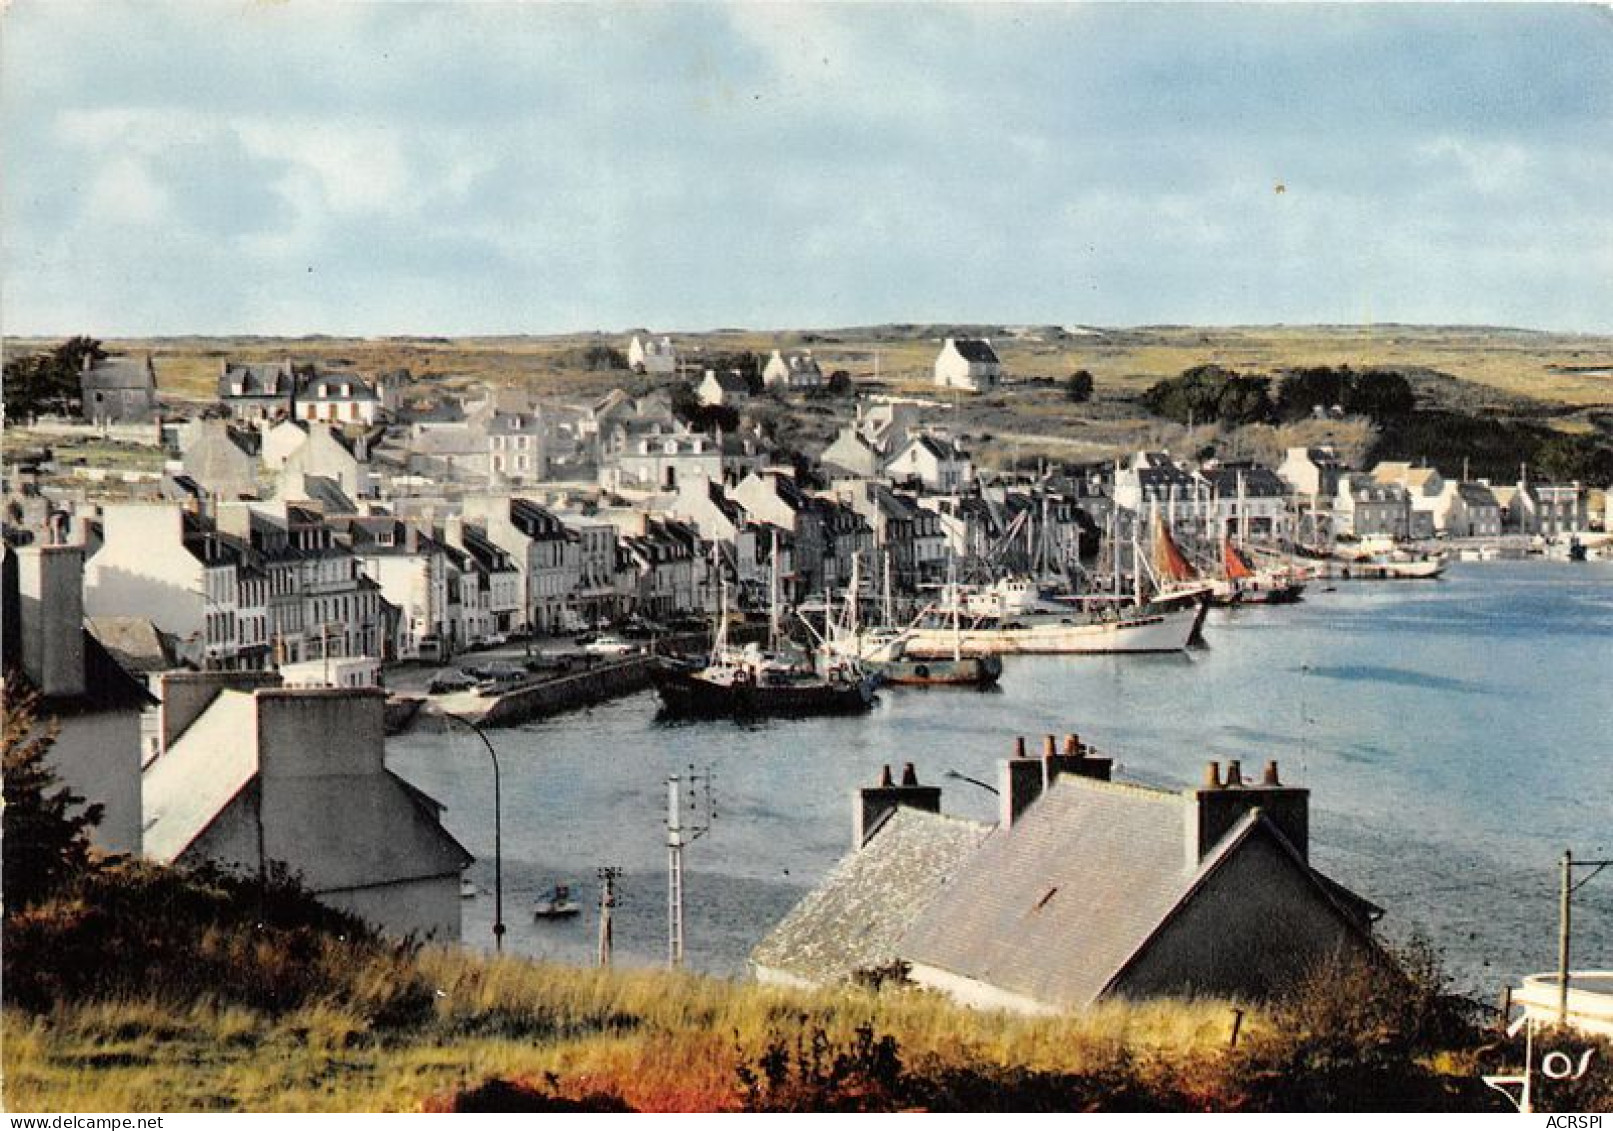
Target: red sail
x=1169 y=561
x=1236 y=565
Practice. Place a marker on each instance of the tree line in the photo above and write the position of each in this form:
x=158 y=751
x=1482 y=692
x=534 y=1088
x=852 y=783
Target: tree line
x=48 y=382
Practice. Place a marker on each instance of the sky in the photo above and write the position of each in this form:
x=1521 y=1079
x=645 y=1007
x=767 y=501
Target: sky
x=399 y=168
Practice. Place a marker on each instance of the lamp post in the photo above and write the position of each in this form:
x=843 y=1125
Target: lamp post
x=498 y=834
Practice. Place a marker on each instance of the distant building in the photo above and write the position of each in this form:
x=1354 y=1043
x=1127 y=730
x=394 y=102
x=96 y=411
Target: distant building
x=338 y=398
x=968 y=363
x=118 y=390
x=795 y=372
x=515 y=447
x=257 y=390
x=1364 y=507
x=1312 y=473
x=933 y=460
x=727 y=387
x=221 y=459
x=654 y=356
x=274 y=776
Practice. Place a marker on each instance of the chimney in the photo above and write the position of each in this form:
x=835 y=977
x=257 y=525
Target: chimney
x=1215 y=807
x=872 y=804
x=50 y=588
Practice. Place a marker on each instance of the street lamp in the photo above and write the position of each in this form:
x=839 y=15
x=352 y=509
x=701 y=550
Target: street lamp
x=955 y=776
x=498 y=834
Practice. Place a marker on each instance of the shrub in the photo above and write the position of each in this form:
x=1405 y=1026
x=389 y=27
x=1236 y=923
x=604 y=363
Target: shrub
x=44 y=830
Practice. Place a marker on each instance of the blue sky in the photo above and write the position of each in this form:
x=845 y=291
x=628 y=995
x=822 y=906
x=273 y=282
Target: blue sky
x=290 y=168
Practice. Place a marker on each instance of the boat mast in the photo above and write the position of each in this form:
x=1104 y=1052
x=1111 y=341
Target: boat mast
x=772 y=594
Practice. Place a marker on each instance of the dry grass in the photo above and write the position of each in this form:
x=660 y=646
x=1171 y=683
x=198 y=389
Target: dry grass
x=659 y=1041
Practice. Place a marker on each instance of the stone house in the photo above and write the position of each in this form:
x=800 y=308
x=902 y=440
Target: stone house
x=271 y=776
x=257 y=390
x=1087 y=889
x=516 y=447
x=1364 y=507
x=968 y=363
x=337 y=398
x=726 y=388
x=220 y=459
x=651 y=355
x=794 y=372
x=118 y=390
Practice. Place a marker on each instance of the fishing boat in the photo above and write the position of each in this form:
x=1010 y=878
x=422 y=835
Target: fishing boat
x=750 y=683
x=1063 y=633
x=1393 y=568
x=1242 y=583
x=882 y=650
x=555 y=904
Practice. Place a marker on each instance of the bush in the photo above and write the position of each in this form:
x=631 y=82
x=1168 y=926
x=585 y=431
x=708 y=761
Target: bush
x=1079 y=387
x=44 y=831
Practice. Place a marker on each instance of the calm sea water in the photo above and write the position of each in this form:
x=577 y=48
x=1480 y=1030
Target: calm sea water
x=1456 y=736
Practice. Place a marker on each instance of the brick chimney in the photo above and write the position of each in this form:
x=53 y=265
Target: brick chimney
x=872 y=804
x=1022 y=779
x=1220 y=803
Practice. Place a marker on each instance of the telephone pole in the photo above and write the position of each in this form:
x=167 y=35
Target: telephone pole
x=607 y=903
x=678 y=835
x=1565 y=921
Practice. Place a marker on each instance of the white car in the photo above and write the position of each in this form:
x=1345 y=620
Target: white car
x=610 y=645
x=494 y=640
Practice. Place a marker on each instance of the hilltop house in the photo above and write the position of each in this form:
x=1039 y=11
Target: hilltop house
x=267 y=776
x=1086 y=889
x=118 y=390
x=727 y=387
x=796 y=371
x=968 y=363
x=338 y=398
x=654 y=356
x=257 y=390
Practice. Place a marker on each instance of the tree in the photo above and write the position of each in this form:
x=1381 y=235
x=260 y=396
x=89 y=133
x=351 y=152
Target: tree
x=44 y=832
x=1079 y=388
x=48 y=382
x=1573 y=459
x=839 y=383
x=1208 y=393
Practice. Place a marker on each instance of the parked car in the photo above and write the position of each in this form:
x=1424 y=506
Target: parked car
x=610 y=644
x=450 y=679
x=501 y=671
x=495 y=640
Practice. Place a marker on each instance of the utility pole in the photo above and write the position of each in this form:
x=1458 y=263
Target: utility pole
x=607 y=903
x=702 y=811
x=1565 y=921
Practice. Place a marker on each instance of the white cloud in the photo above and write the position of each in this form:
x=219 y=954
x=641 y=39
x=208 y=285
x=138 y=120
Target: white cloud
x=126 y=192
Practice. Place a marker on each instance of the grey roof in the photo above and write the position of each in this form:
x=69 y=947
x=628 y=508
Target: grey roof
x=119 y=373
x=977 y=350
x=1477 y=495
x=257 y=379
x=856 y=917
x=329 y=386
x=1053 y=907
x=136 y=643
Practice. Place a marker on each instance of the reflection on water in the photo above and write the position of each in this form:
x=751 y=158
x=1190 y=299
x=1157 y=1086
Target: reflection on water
x=1455 y=735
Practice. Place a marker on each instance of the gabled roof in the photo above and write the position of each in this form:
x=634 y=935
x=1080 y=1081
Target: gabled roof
x=728 y=380
x=118 y=373
x=1477 y=495
x=977 y=350
x=855 y=919
x=329 y=386
x=185 y=790
x=136 y=643
x=1056 y=908
x=257 y=379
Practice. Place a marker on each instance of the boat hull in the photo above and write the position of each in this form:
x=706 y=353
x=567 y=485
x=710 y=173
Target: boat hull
x=1169 y=631
x=684 y=695
x=966 y=671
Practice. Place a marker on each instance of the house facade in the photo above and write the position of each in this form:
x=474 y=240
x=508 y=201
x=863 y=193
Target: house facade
x=968 y=363
x=118 y=390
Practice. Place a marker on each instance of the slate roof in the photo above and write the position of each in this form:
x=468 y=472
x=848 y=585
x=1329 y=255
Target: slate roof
x=1084 y=875
x=1477 y=495
x=181 y=795
x=856 y=917
x=1258 y=482
x=136 y=643
x=257 y=379
x=328 y=387
x=1057 y=907
x=976 y=350
x=118 y=373
x=729 y=381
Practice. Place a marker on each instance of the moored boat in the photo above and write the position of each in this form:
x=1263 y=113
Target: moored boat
x=1168 y=630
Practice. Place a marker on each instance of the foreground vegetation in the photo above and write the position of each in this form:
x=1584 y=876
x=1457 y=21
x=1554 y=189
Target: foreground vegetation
x=135 y=987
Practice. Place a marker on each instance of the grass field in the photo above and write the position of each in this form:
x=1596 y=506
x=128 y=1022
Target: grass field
x=654 y=1040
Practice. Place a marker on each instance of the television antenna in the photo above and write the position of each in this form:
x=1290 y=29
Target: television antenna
x=691 y=807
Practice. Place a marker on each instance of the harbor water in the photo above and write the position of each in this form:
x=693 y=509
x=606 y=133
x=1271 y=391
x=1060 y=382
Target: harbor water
x=1457 y=736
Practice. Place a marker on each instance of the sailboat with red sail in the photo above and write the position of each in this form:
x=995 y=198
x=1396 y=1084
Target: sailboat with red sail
x=1243 y=584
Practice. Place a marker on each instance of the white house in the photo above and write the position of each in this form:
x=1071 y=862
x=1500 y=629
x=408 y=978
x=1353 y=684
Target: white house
x=793 y=371
x=299 y=778
x=655 y=356
x=338 y=398
x=726 y=388
x=933 y=460
x=968 y=363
